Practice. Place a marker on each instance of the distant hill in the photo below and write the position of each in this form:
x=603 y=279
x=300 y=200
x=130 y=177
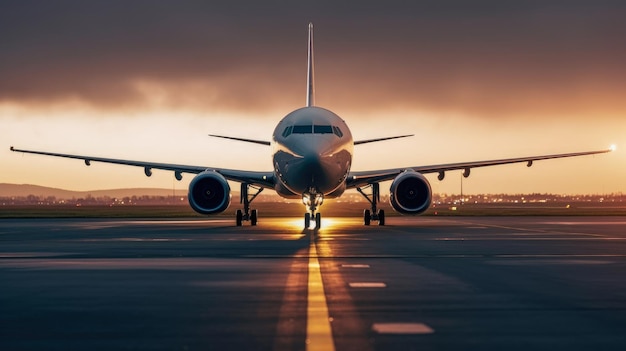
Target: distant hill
x=23 y=190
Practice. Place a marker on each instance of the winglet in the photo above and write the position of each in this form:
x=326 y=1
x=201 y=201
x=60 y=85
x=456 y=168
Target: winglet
x=310 y=89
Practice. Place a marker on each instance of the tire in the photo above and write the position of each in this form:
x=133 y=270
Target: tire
x=253 y=217
x=367 y=217
x=307 y=220
x=238 y=218
x=318 y=220
x=381 y=217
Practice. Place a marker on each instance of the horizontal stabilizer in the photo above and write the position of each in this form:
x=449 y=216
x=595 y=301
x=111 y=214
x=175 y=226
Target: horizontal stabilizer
x=358 y=142
x=262 y=142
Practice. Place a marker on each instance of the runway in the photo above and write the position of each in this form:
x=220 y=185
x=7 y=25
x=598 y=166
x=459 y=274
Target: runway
x=419 y=283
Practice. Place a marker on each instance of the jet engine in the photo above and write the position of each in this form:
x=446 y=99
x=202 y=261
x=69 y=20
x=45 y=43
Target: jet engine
x=209 y=193
x=410 y=193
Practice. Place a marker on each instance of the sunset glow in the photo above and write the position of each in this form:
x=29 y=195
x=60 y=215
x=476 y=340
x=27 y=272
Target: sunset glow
x=504 y=81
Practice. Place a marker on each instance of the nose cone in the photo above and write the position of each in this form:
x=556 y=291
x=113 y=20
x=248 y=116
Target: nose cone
x=314 y=155
x=318 y=166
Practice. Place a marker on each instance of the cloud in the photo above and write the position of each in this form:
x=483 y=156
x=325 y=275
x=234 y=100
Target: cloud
x=487 y=58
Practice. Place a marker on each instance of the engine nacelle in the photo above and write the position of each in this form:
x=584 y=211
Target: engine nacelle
x=410 y=193
x=209 y=193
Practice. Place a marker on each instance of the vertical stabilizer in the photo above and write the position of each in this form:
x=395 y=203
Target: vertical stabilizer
x=310 y=89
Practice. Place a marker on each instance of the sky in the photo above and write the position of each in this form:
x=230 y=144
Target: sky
x=473 y=80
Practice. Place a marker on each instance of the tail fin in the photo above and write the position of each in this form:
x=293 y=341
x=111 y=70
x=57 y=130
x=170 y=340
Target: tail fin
x=310 y=93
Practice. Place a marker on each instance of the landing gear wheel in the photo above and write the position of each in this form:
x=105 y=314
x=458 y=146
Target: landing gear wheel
x=381 y=217
x=239 y=218
x=318 y=220
x=373 y=199
x=307 y=220
x=246 y=199
x=253 y=217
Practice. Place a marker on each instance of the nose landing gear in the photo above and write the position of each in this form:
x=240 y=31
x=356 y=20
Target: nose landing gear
x=374 y=214
x=312 y=200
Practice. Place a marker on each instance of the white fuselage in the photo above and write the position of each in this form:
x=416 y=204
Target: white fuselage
x=312 y=153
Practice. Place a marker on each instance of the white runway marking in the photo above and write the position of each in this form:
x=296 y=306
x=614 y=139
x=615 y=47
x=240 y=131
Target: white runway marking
x=402 y=328
x=30 y=254
x=176 y=263
x=355 y=266
x=548 y=262
x=585 y=223
x=367 y=285
x=543 y=231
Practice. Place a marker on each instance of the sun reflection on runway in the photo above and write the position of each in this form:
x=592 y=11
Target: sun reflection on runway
x=328 y=225
x=339 y=223
x=296 y=223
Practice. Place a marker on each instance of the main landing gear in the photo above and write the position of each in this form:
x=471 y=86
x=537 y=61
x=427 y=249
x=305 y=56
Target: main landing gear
x=312 y=200
x=373 y=198
x=246 y=200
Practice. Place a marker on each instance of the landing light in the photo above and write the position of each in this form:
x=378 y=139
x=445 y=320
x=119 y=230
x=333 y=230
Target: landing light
x=613 y=147
x=317 y=200
x=306 y=200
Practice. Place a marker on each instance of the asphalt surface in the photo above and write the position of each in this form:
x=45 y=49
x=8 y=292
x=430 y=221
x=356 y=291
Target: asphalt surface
x=424 y=283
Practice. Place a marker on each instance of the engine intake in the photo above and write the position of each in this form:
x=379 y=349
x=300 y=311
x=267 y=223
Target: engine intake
x=209 y=193
x=410 y=193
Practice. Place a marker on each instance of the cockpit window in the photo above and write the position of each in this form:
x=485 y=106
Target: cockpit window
x=303 y=129
x=322 y=129
x=287 y=131
x=337 y=131
x=309 y=129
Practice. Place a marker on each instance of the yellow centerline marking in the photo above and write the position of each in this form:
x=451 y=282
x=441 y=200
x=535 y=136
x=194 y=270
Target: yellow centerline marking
x=319 y=335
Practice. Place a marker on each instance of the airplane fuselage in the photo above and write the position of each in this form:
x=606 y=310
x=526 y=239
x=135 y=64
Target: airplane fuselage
x=312 y=153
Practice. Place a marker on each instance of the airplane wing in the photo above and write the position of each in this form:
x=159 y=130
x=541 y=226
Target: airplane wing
x=357 y=179
x=261 y=179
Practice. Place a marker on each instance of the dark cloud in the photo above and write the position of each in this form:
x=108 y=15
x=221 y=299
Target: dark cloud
x=478 y=57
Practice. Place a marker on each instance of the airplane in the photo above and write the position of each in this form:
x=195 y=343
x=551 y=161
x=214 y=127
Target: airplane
x=312 y=151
